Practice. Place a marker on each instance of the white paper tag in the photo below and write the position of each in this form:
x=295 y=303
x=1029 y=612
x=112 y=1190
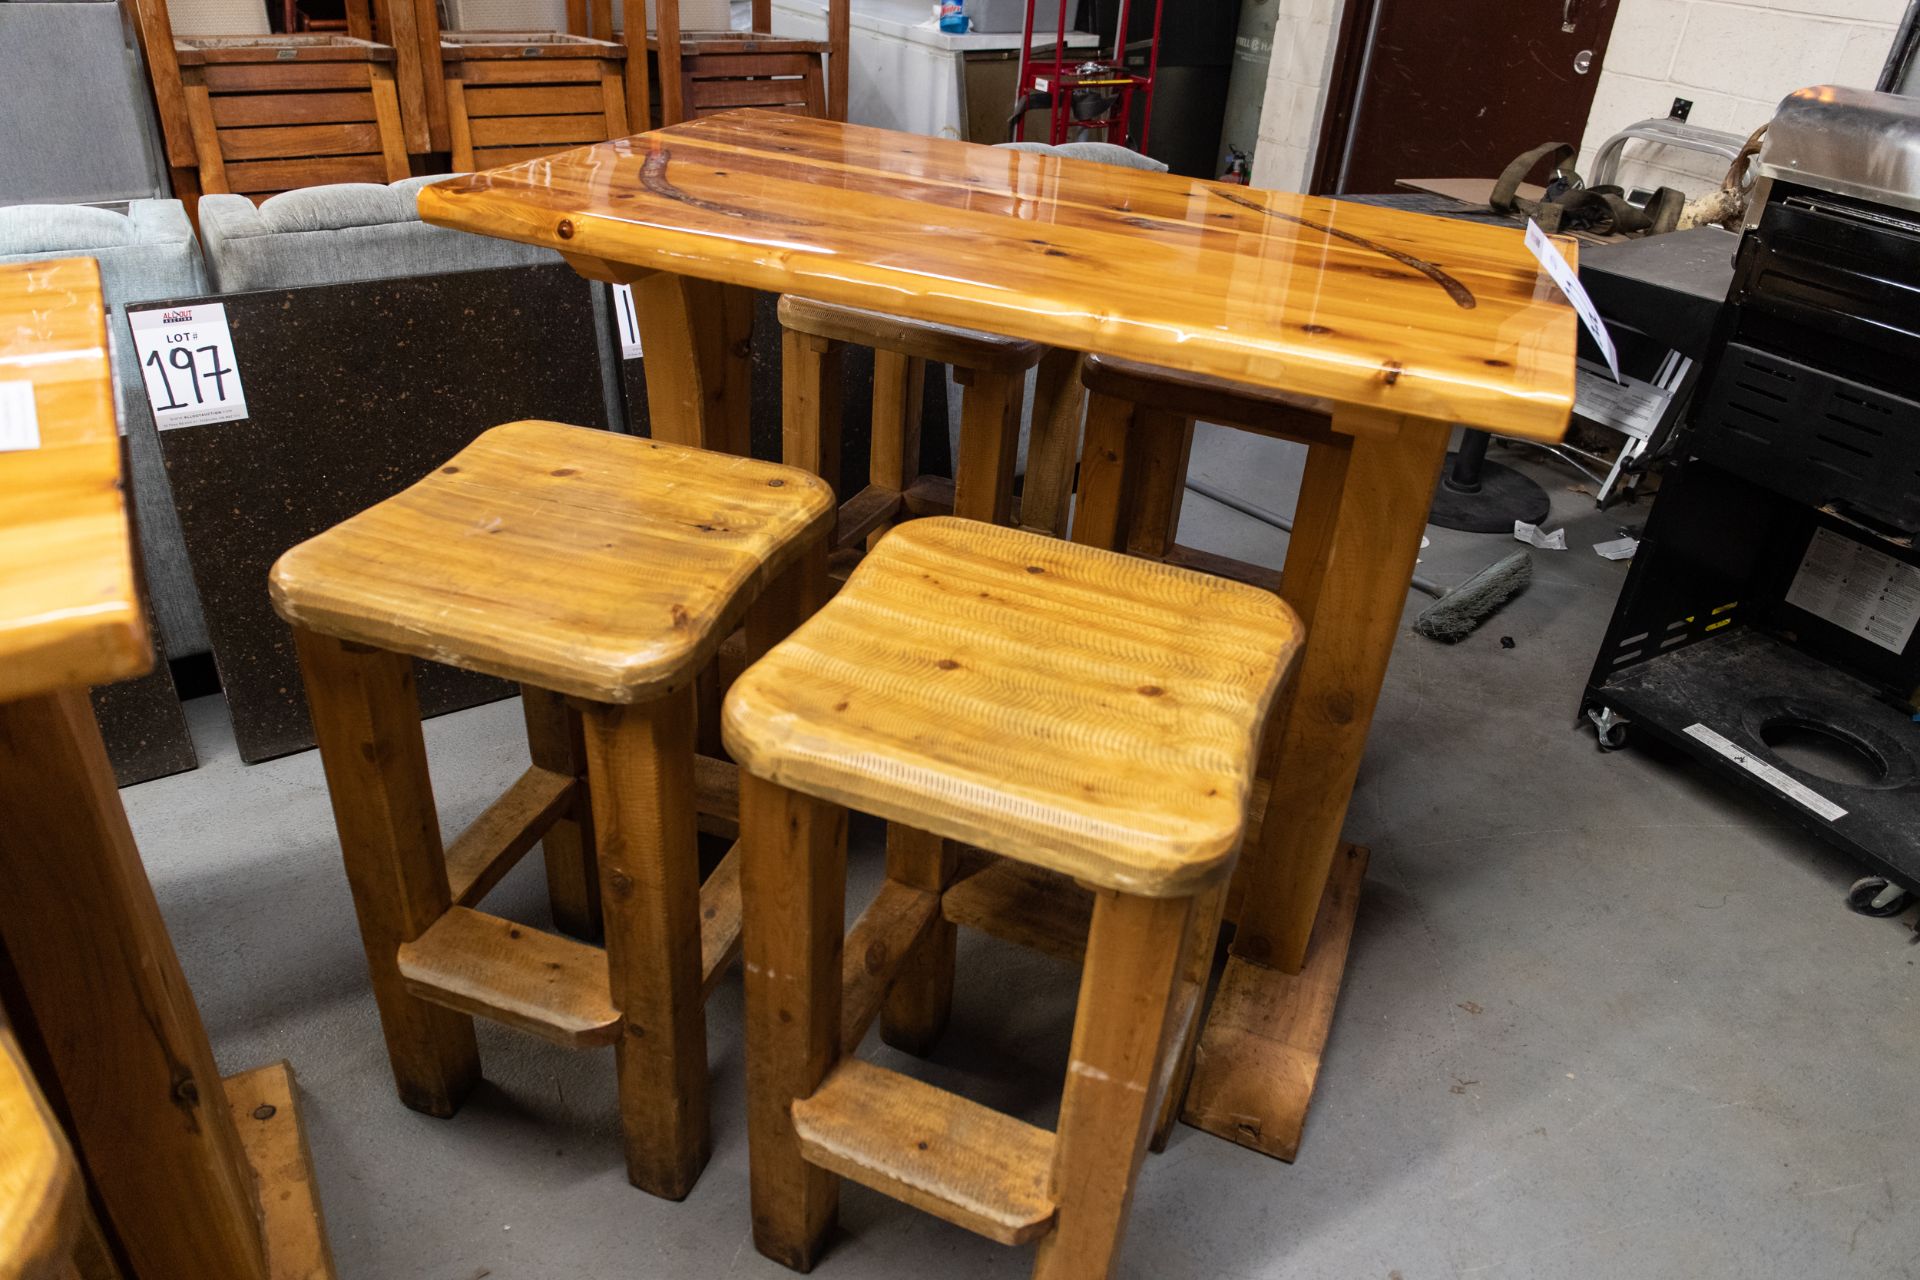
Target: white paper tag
x=1858 y=589
x=1618 y=549
x=186 y=357
x=1555 y=541
x=19 y=420
x=629 y=321
x=1631 y=407
x=1768 y=774
x=1569 y=282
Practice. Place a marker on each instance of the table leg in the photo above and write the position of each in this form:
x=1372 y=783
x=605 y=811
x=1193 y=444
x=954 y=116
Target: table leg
x=698 y=339
x=1260 y=1051
x=108 y=1002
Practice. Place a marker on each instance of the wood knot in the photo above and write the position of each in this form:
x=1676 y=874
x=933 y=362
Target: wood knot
x=621 y=883
x=876 y=957
x=840 y=706
x=449 y=471
x=265 y=1111
x=1315 y=328
x=776 y=484
x=680 y=618
x=564 y=471
x=566 y=228
x=1034 y=568
x=947 y=664
x=1390 y=372
x=1151 y=690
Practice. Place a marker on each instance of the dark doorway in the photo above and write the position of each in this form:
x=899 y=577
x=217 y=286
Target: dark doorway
x=1455 y=88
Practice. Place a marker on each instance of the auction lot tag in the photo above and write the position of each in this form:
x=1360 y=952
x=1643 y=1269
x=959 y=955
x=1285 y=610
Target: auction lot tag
x=629 y=322
x=19 y=421
x=1569 y=282
x=186 y=357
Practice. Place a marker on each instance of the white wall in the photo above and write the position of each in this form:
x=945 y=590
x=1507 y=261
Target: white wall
x=1296 y=92
x=1734 y=58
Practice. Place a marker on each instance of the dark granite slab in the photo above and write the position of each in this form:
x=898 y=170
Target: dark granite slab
x=856 y=374
x=355 y=391
x=144 y=727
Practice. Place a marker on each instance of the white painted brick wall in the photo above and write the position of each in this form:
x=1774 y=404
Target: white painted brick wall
x=1734 y=58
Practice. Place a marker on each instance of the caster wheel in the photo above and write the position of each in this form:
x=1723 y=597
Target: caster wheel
x=1875 y=896
x=1609 y=728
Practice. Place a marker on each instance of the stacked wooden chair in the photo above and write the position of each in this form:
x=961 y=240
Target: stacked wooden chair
x=680 y=71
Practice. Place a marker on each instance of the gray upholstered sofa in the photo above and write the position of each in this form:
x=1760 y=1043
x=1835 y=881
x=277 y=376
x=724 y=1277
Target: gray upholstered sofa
x=334 y=234
x=146 y=253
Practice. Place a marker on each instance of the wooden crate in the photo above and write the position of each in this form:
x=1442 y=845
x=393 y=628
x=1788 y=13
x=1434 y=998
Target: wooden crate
x=270 y=113
x=513 y=96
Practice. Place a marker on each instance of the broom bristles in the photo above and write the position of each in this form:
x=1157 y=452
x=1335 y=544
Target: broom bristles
x=1453 y=617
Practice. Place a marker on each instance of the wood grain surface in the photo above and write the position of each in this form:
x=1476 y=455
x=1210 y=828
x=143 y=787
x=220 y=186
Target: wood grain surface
x=40 y=1189
x=598 y=565
x=69 y=611
x=1085 y=711
x=1403 y=312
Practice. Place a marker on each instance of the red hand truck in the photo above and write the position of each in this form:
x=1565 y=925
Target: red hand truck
x=1093 y=94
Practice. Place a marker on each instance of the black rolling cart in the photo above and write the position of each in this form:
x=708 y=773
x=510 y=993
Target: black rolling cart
x=1768 y=625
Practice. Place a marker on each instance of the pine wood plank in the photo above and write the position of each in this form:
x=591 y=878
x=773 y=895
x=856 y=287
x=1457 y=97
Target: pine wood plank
x=580 y=99
x=719 y=920
x=494 y=842
x=248 y=110
x=1259 y=1054
x=1029 y=906
x=475 y=71
x=934 y=1150
x=531 y=980
x=265 y=1103
x=284 y=77
x=69 y=609
x=270 y=143
x=556 y=741
x=1057 y=704
x=654 y=551
x=282 y=175
x=876 y=946
x=513 y=131
x=1405 y=314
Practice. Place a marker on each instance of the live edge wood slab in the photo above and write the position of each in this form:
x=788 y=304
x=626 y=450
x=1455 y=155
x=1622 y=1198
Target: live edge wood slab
x=193 y=1175
x=1399 y=325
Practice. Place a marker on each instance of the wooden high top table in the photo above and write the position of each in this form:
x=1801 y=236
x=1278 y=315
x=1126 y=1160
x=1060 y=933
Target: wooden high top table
x=193 y=1175
x=1402 y=324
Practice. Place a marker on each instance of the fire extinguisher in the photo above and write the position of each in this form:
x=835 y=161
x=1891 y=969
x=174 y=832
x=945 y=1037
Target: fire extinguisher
x=1238 y=165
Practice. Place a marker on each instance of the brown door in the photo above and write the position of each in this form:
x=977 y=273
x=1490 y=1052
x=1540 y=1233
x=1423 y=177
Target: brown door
x=1456 y=88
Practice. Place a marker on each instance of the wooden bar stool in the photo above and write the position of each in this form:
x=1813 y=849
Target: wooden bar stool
x=1133 y=460
x=600 y=571
x=1077 y=711
x=991 y=369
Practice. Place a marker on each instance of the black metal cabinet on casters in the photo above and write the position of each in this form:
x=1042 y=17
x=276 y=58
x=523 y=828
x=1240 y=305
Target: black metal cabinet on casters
x=1772 y=603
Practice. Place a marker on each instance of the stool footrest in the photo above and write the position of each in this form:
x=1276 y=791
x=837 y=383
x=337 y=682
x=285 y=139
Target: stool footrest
x=973 y=1166
x=716 y=794
x=875 y=948
x=496 y=840
x=864 y=512
x=533 y=981
x=1035 y=908
x=719 y=920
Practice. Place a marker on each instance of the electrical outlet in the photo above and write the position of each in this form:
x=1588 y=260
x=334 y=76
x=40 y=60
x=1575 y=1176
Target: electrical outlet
x=1682 y=108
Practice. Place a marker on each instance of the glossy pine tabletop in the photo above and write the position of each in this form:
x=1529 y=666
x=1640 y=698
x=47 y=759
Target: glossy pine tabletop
x=1356 y=304
x=69 y=612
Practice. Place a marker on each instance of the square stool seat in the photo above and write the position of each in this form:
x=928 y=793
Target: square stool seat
x=597 y=565
x=1086 y=712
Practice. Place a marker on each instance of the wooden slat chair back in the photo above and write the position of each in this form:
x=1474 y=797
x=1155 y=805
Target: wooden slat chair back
x=268 y=114
x=514 y=96
x=694 y=73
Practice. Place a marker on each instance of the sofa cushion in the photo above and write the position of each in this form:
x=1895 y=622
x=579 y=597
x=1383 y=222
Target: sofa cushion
x=340 y=233
x=1099 y=152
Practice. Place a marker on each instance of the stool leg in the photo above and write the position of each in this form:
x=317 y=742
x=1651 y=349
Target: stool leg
x=899 y=387
x=989 y=442
x=1133 y=969
x=793 y=887
x=556 y=741
x=1100 y=511
x=1160 y=445
x=1202 y=940
x=918 y=1002
x=366 y=719
x=640 y=776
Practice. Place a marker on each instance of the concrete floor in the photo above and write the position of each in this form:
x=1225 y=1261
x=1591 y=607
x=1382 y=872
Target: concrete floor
x=1601 y=1020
